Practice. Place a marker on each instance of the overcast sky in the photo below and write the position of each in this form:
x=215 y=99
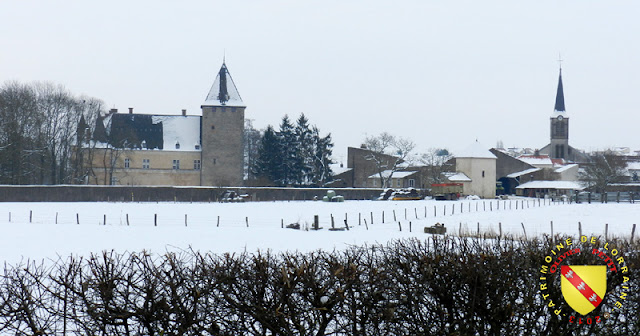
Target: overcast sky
x=443 y=73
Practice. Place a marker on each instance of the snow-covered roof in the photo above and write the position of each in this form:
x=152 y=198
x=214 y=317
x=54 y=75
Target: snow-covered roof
x=457 y=177
x=476 y=151
x=183 y=130
x=568 y=185
x=536 y=161
x=634 y=165
x=223 y=91
x=524 y=172
x=566 y=167
x=398 y=174
x=336 y=169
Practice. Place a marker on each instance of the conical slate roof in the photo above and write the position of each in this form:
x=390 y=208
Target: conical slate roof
x=224 y=91
x=560 y=96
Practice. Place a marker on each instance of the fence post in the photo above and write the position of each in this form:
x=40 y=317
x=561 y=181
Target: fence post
x=551 y=229
x=415 y=210
x=9 y=216
x=500 y=228
x=372 y=218
x=185 y=219
x=405 y=213
x=127 y=219
x=359 y=219
x=30 y=216
x=382 y=216
x=400 y=226
x=394 y=215
x=246 y=219
x=460 y=229
x=332 y=222
x=434 y=211
x=56 y=217
x=77 y=218
x=218 y=224
x=365 y=224
x=606 y=231
x=345 y=224
x=316 y=222
x=524 y=230
x=633 y=232
x=580 y=229
x=478 y=230
x=282 y=223
x=155 y=219
x=490 y=206
x=105 y=220
x=425 y=211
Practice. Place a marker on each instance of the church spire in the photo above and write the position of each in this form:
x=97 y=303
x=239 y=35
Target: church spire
x=560 y=95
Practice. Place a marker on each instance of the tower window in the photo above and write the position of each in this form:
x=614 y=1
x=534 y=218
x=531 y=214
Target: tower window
x=483 y=173
x=176 y=164
x=213 y=127
x=196 y=164
x=177 y=145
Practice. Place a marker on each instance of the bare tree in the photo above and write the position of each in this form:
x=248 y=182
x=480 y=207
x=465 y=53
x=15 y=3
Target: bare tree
x=435 y=161
x=604 y=168
x=388 y=152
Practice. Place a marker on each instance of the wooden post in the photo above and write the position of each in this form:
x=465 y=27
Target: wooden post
x=359 y=219
x=415 y=210
x=382 y=216
x=282 y=223
x=316 y=222
x=453 y=209
x=365 y=224
x=246 y=219
x=127 y=219
x=105 y=220
x=497 y=205
x=372 y=218
x=218 y=224
x=425 y=212
x=9 y=216
x=345 y=217
x=30 y=216
x=490 y=206
x=476 y=206
x=551 y=229
x=332 y=222
x=633 y=232
x=524 y=230
x=56 y=217
x=155 y=219
x=345 y=224
x=444 y=210
x=478 y=230
x=516 y=205
x=500 y=227
x=77 y=218
x=409 y=226
x=580 y=229
x=484 y=206
x=434 y=211
x=469 y=206
x=394 y=215
x=400 y=226
x=606 y=231
x=405 y=213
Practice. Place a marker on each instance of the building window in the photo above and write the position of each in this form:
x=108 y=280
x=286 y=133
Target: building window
x=176 y=164
x=146 y=164
x=399 y=184
x=196 y=164
x=197 y=147
x=177 y=145
x=127 y=163
x=114 y=180
x=412 y=183
x=214 y=161
x=483 y=173
x=233 y=109
x=213 y=127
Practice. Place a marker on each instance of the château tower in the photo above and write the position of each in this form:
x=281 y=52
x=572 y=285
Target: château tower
x=559 y=146
x=222 y=132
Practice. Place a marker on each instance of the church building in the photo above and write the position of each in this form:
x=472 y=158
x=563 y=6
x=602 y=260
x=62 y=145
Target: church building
x=559 y=147
x=189 y=150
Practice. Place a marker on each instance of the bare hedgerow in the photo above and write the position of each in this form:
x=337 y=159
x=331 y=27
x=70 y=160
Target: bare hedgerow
x=439 y=285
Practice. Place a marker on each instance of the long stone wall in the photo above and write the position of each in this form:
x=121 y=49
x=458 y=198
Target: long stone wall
x=77 y=193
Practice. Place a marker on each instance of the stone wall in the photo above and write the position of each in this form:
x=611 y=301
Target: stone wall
x=82 y=193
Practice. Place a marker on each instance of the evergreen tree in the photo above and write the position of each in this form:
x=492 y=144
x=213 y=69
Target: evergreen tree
x=289 y=153
x=322 y=151
x=268 y=163
x=304 y=162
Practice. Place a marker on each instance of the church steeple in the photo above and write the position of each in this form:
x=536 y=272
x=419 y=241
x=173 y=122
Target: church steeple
x=560 y=95
x=223 y=91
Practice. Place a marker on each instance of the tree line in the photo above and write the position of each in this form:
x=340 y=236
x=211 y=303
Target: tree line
x=436 y=286
x=294 y=155
x=38 y=129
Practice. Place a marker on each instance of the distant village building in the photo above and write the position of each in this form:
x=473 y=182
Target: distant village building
x=478 y=165
x=190 y=150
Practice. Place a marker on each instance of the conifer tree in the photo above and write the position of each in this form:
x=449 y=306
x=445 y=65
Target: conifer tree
x=268 y=163
x=323 y=148
x=304 y=163
x=289 y=150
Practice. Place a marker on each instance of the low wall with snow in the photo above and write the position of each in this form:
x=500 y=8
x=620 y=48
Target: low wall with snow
x=83 y=193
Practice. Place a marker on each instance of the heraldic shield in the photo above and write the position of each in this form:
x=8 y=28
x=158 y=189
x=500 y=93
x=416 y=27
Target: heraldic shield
x=583 y=287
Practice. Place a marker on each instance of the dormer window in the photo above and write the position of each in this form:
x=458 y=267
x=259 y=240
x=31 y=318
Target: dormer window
x=143 y=144
x=177 y=145
x=197 y=147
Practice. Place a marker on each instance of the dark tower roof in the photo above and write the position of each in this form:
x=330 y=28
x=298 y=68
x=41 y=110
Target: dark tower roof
x=560 y=95
x=224 y=91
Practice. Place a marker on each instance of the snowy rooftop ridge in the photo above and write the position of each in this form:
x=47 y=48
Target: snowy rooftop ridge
x=476 y=151
x=223 y=91
x=397 y=174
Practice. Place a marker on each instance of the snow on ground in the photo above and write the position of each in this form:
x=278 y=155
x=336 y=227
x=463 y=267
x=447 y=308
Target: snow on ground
x=42 y=238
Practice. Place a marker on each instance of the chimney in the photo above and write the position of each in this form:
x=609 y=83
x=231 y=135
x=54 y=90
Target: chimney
x=113 y=111
x=184 y=112
x=131 y=110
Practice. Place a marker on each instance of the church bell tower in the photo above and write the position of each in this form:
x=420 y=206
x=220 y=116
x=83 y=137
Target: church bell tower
x=560 y=126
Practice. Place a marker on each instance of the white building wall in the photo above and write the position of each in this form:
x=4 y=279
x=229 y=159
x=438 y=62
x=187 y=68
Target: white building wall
x=482 y=172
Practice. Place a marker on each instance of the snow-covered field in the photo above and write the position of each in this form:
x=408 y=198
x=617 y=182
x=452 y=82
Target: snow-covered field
x=41 y=238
